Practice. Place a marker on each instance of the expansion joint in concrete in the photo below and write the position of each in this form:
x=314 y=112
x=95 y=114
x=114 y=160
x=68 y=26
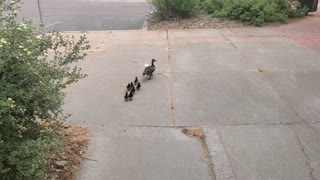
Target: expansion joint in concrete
x=169 y=71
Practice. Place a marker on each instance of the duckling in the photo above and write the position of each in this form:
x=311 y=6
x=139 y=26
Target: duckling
x=136 y=81
x=129 y=87
x=126 y=97
x=131 y=84
x=130 y=96
x=138 y=86
x=148 y=71
x=133 y=90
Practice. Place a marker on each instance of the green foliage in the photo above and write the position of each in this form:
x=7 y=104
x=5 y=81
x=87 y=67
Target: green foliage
x=31 y=89
x=176 y=8
x=28 y=158
x=257 y=12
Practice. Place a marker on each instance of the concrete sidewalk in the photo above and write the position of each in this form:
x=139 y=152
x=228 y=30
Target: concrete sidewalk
x=254 y=91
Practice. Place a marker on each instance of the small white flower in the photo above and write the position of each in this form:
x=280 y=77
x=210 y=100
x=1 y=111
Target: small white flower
x=3 y=41
x=23 y=26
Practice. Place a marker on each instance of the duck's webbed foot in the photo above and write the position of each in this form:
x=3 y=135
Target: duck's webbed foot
x=150 y=76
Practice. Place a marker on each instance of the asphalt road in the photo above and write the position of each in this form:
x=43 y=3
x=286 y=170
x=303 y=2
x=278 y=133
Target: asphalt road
x=87 y=15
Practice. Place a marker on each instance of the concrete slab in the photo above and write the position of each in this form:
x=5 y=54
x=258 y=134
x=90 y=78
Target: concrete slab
x=97 y=39
x=191 y=40
x=94 y=23
x=218 y=155
x=203 y=61
x=309 y=136
x=301 y=90
x=129 y=62
x=124 y=41
x=250 y=32
x=295 y=59
x=253 y=42
x=264 y=152
x=200 y=44
x=194 y=34
x=212 y=85
x=226 y=98
x=99 y=100
x=277 y=53
x=136 y=41
x=143 y=153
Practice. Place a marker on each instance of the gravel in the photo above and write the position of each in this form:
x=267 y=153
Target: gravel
x=198 y=22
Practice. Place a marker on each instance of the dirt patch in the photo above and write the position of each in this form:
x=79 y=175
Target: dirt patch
x=259 y=70
x=194 y=132
x=208 y=22
x=75 y=143
x=198 y=22
x=197 y=132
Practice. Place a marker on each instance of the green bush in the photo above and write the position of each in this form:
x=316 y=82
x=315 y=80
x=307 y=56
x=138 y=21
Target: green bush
x=28 y=158
x=176 y=8
x=257 y=12
x=31 y=89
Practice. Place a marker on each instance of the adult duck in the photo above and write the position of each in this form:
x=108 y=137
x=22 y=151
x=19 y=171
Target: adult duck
x=149 y=70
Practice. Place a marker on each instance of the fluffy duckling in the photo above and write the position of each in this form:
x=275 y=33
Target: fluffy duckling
x=133 y=90
x=138 y=86
x=136 y=81
x=130 y=96
x=128 y=87
x=126 y=97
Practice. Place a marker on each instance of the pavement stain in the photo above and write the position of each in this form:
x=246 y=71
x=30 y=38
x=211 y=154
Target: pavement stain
x=259 y=70
x=194 y=132
x=197 y=132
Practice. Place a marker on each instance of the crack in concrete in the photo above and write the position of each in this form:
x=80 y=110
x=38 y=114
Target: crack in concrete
x=225 y=150
x=198 y=133
x=225 y=125
x=311 y=170
x=266 y=80
x=290 y=107
x=208 y=160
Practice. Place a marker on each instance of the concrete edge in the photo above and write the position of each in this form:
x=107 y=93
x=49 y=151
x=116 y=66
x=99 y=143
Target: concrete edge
x=219 y=158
